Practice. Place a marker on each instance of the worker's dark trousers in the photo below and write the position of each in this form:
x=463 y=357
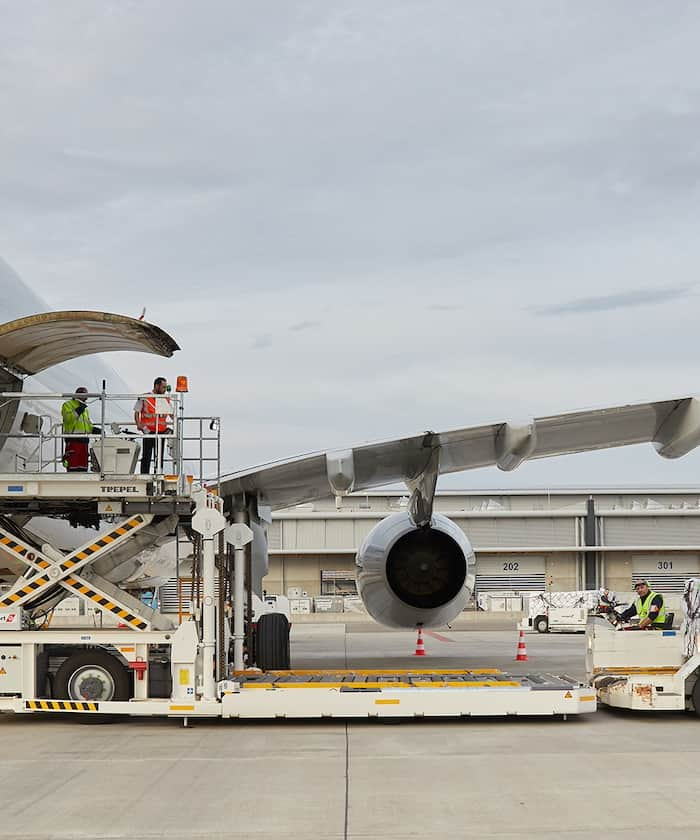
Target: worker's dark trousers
x=149 y=446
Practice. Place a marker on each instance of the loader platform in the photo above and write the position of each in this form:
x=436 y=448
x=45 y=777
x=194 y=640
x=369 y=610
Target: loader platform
x=347 y=694
x=399 y=693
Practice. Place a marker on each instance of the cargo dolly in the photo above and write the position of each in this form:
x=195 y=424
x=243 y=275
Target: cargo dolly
x=404 y=694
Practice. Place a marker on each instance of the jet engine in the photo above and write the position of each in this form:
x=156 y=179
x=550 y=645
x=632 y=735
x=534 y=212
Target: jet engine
x=409 y=576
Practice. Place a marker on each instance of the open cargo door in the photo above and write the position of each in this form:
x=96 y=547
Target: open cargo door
x=33 y=344
x=30 y=345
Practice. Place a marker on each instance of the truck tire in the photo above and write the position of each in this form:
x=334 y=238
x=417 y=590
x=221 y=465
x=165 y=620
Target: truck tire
x=91 y=675
x=695 y=696
x=272 y=642
x=541 y=624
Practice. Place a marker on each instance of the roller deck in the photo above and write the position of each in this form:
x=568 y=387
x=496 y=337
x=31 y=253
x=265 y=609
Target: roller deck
x=405 y=693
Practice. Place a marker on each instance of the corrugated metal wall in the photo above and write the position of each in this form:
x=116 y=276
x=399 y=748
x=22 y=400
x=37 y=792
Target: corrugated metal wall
x=311 y=533
x=519 y=532
x=348 y=534
x=340 y=534
x=274 y=535
x=652 y=530
x=319 y=534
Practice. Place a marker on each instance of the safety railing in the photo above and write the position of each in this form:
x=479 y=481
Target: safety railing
x=182 y=447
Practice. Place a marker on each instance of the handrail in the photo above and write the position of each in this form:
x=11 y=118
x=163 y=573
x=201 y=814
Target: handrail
x=189 y=441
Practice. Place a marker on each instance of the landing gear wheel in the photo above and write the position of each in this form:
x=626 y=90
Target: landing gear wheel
x=542 y=624
x=92 y=676
x=272 y=642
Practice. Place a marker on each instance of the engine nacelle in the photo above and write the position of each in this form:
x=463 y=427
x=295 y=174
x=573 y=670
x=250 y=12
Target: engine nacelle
x=408 y=576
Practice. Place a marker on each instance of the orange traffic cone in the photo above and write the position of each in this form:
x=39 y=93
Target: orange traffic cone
x=522 y=650
x=420 y=647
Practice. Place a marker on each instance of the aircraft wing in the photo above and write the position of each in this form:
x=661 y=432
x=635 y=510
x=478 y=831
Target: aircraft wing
x=672 y=426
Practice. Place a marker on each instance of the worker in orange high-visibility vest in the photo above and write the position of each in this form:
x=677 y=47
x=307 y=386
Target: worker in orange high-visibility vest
x=153 y=416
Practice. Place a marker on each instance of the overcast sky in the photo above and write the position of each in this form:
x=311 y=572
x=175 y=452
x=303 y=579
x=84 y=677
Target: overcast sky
x=367 y=219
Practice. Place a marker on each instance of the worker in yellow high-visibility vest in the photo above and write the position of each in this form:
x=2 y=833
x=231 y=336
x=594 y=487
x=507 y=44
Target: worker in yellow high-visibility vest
x=76 y=421
x=649 y=606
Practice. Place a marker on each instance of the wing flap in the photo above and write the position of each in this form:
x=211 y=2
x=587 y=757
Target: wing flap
x=282 y=484
x=468 y=449
x=584 y=431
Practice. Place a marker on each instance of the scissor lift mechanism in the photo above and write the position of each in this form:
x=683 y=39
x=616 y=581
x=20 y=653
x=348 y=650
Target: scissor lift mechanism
x=44 y=572
x=193 y=647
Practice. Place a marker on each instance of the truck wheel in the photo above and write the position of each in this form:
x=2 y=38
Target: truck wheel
x=272 y=642
x=695 y=695
x=541 y=624
x=93 y=676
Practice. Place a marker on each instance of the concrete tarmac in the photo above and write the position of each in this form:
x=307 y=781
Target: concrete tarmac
x=608 y=774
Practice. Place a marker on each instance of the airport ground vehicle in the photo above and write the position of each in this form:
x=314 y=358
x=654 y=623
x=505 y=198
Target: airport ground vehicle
x=561 y=620
x=652 y=670
x=567 y=612
x=559 y=612
x=143 y=662
x=137 y=653
x=149 y=668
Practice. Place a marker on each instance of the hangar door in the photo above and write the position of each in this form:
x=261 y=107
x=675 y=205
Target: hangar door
x=666 y=572
x=513 y=573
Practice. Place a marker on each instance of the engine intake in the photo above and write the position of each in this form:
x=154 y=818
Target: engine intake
x=409 y=576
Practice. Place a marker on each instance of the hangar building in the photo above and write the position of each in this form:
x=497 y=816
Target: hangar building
x=525 y=540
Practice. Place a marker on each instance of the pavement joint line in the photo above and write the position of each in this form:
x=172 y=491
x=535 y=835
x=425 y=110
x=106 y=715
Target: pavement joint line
x=447 y=751
x=181 y=759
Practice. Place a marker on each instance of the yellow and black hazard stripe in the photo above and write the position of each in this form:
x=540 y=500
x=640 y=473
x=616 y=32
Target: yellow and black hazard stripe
x=98 y=545
x=27 y=589
x=105 y=603
x=60 y=706
x=38 y=560
x=23 y=551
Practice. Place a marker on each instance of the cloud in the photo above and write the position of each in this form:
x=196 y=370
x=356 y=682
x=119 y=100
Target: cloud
x=621 y=300
x=345 y=212
x=261 y=342
x=300 y=326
